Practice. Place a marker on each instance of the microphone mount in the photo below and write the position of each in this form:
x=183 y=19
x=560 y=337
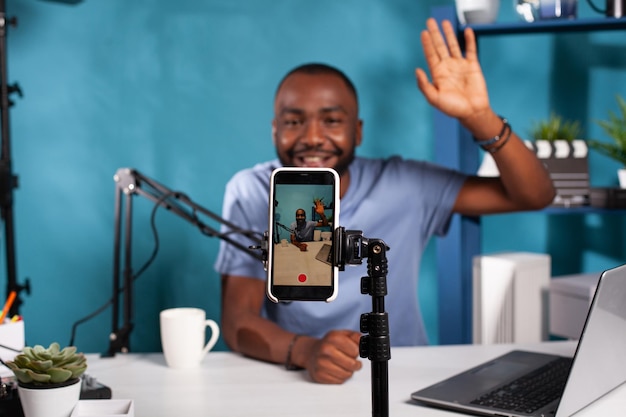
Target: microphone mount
x=128 y=183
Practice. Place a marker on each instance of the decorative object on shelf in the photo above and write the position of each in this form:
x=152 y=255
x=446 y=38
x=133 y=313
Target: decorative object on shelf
x=614 y=8
x=527 y=9
x=558 y=9
x=557 y=145
x=471 y=12
x=607 y=198
x=615 y=128
x=567 y=163
x=48 y=379
x=533 y=10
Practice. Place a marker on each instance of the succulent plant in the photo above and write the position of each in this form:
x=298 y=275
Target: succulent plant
x=43 y=366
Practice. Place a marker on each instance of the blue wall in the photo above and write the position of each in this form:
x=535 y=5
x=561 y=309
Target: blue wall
x=182 y=91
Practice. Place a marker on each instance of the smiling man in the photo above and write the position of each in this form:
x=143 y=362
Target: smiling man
x=404 y=202
x=316 y=121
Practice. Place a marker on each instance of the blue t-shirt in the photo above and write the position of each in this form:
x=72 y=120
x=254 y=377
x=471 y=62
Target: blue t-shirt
x=305 y=233
x=402 y=202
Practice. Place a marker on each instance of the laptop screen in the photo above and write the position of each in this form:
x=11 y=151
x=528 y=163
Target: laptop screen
x=599 y=364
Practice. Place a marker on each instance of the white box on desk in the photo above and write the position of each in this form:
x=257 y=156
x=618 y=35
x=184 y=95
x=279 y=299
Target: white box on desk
x=570 y=299
x=11 y=336
x=509 y=297
x=104 y=408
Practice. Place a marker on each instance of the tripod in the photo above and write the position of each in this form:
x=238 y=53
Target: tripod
x=8 y=181
x=351 y=247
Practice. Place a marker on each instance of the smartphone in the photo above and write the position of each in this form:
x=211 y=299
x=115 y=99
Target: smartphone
x=303 y=216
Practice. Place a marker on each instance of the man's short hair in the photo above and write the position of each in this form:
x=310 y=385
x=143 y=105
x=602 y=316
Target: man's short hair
x=314 y=68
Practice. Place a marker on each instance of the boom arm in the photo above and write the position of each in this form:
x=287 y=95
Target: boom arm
x=129 y=182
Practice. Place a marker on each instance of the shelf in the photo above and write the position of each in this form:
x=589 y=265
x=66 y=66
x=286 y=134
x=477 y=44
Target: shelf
x=581 y=210
x=549 y=26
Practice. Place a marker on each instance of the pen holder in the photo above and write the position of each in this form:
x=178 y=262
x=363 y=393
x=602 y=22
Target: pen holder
x=11 y=339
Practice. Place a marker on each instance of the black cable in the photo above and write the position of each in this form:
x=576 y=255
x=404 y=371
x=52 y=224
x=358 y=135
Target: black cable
x=253 y=235
x=8 y=348
x=249 y=234
x=596 y=8
x=143 y=268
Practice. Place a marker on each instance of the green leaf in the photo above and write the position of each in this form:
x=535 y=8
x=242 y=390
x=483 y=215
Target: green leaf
x=22 y=375
x=59 y=375
x=43 y=378
x=77 y=370
x=41 y=366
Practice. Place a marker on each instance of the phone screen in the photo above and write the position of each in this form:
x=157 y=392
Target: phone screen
x=304 y=212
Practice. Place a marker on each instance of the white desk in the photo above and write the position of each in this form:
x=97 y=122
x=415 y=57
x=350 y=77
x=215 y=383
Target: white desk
x=290 y=262
x=228 y=384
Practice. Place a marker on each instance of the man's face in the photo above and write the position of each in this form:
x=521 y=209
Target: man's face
x=300 y=217
x=316 y=122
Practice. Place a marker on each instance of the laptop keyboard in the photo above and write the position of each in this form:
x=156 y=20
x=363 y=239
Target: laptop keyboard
x=530 y=392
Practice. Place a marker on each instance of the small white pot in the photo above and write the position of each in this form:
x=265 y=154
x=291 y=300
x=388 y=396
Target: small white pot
x=621 y=176
x=49 y=402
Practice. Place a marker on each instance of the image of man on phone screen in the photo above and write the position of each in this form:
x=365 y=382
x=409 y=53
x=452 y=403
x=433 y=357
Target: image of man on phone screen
x=303 y=229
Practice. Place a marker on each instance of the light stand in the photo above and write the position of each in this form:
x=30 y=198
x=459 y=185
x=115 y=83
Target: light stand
x=8 y=181
x=351 y=247
x=129 y=182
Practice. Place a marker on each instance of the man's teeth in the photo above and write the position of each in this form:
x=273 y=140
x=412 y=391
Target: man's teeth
x=312 y=159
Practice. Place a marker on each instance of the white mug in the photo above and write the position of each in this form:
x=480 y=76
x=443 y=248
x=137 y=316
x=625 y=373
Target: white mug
x=183 y=335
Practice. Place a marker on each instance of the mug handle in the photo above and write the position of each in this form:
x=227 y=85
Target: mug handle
x=215 y=334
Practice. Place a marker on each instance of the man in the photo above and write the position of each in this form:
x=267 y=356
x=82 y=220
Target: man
x=302 y=230
x=403 y=202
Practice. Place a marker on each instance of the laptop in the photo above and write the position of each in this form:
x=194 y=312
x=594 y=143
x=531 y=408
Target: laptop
x=324 y=254
x=598 y=366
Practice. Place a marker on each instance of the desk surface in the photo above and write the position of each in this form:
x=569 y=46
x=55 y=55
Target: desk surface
x=227 y=384
x=290 y=262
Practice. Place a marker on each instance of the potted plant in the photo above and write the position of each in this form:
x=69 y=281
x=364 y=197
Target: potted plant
x=48 y=379
x=558 y=143
x=555 y=128
x=615 y=128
